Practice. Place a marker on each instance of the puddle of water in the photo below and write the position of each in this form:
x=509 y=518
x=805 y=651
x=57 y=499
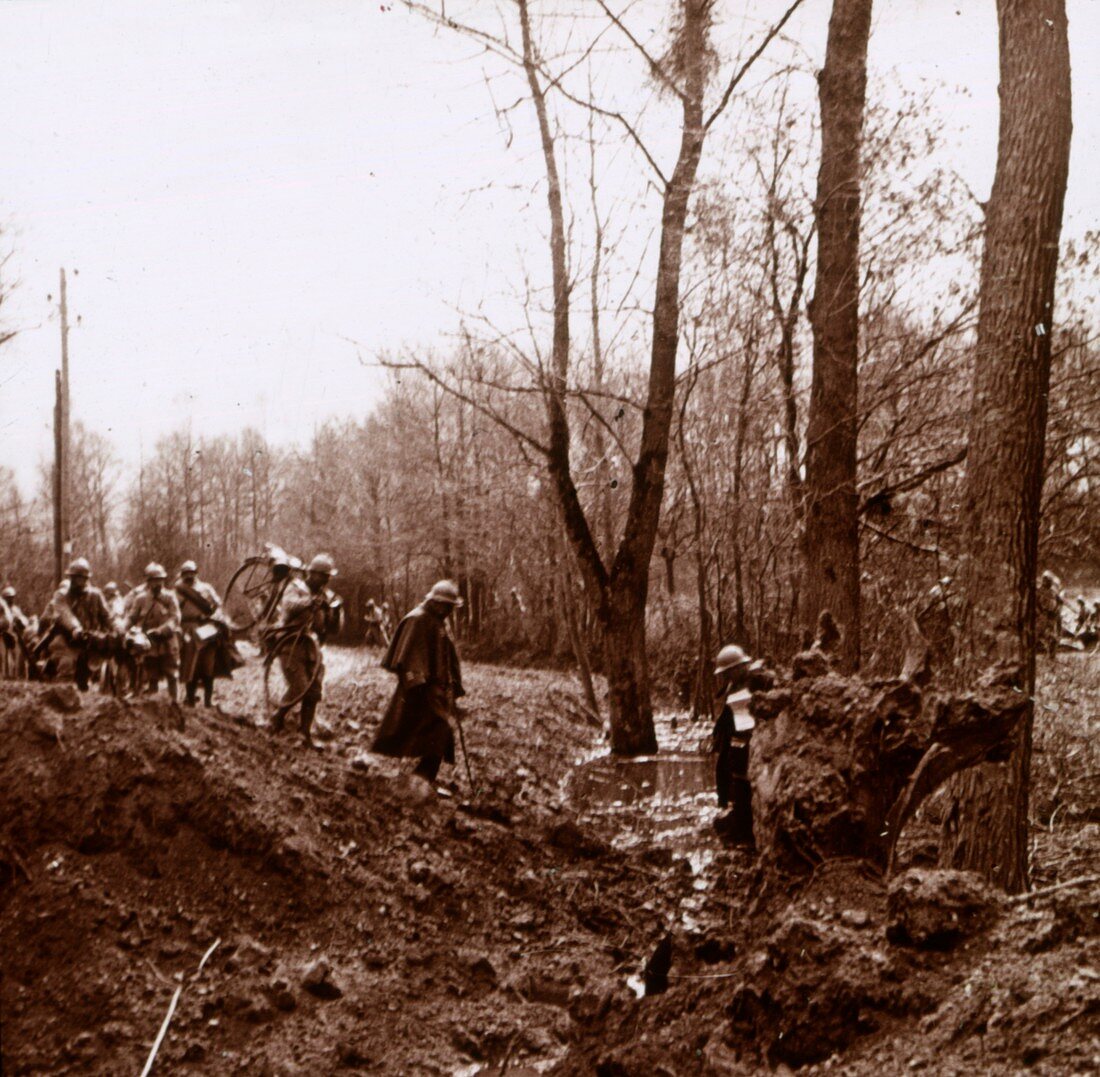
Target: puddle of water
x=616 y=783
x=527 y=1068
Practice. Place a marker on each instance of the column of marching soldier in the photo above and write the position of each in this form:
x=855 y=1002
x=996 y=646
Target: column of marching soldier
x=127 y=643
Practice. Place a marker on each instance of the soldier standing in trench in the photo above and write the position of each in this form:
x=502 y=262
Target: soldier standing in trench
x=423 y=656
x=730 y=741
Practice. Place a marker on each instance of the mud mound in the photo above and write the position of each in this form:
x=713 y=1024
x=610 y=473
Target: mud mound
x=363 y=921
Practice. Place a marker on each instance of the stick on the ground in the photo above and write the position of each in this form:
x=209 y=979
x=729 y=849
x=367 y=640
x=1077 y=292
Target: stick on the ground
x=1081 y=880
x=171 y=1010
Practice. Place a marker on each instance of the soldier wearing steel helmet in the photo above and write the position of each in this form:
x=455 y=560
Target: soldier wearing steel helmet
x=311 y=602
x=730 y=741
x=74 y=626
x=199 y=605
x=423 y=656
x=13 y=626
x=18 y=618
x=154 y=611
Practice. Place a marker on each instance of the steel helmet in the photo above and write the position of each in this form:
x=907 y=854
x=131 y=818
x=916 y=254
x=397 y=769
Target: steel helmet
x=9 y=592
x=729 y=657
x=322 y=564
x=80 y=567
x=188 y=566
x=445 y=591
x=153 y=571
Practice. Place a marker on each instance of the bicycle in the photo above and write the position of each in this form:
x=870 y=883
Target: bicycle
x=293 y=644
x=254 y=590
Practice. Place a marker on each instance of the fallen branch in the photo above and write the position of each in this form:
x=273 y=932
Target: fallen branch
x=1081 y=880
x=172 y=1009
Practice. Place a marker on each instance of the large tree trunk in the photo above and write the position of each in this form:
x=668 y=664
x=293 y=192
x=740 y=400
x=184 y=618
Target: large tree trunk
x=831 y=536
x=986 y=829
x=627 y=670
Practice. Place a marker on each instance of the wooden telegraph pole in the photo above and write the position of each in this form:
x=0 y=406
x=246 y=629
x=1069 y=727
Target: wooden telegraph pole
x=62 y=488
x=58 y=466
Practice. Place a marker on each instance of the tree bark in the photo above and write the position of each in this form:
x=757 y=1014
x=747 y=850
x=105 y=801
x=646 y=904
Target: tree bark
x=627 y=670
x=986 y=827
x=831 y=536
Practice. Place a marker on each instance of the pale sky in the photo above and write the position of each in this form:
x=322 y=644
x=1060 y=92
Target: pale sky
x=236 y=188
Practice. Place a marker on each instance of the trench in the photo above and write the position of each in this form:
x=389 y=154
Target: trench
x=665 y=801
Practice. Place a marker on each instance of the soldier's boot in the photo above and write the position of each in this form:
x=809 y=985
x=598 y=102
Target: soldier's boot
x=208 y=691
x=172 y=685
x=309 y=710
x=428 y=767
x=278 y=720
x=192 y=692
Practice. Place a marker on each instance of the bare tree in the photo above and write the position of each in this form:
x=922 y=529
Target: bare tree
x=617 y=585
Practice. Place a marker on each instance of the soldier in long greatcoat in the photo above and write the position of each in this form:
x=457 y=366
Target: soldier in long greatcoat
x=199 y=603
x=154 y=611
x=423 y=656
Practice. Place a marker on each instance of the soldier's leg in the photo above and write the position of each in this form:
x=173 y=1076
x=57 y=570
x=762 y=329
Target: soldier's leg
x=309 y=703
x=292 y=674
x=189 y=667
x=172 y=684
x=152 y=675
x=81 y=672
x=439 y=748
x=309 y=710
x=429 y=765
x=205 y=672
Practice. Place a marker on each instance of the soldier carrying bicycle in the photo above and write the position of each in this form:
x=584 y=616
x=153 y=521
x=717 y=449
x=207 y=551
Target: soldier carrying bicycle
x=311 y=607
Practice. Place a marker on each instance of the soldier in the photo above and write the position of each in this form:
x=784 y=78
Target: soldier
x=312 y=604
x=12 y=624
x=1048 y=601
x=423 y=656
x=730 y=741
x=17 y=617
x=199 y=603
x=372 y=625
x=76 y=626
x=155 y=612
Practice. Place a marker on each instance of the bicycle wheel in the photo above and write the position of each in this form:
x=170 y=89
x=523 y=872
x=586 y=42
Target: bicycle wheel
x=290 y=670
x=248 y=598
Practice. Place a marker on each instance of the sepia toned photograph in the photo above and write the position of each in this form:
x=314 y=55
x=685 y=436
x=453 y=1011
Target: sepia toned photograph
x=549 y=537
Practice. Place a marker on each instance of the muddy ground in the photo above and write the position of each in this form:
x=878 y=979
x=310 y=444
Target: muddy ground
x=363 y=923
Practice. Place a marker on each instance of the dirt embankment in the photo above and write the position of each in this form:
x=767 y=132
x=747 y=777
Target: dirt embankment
x=367 y=924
